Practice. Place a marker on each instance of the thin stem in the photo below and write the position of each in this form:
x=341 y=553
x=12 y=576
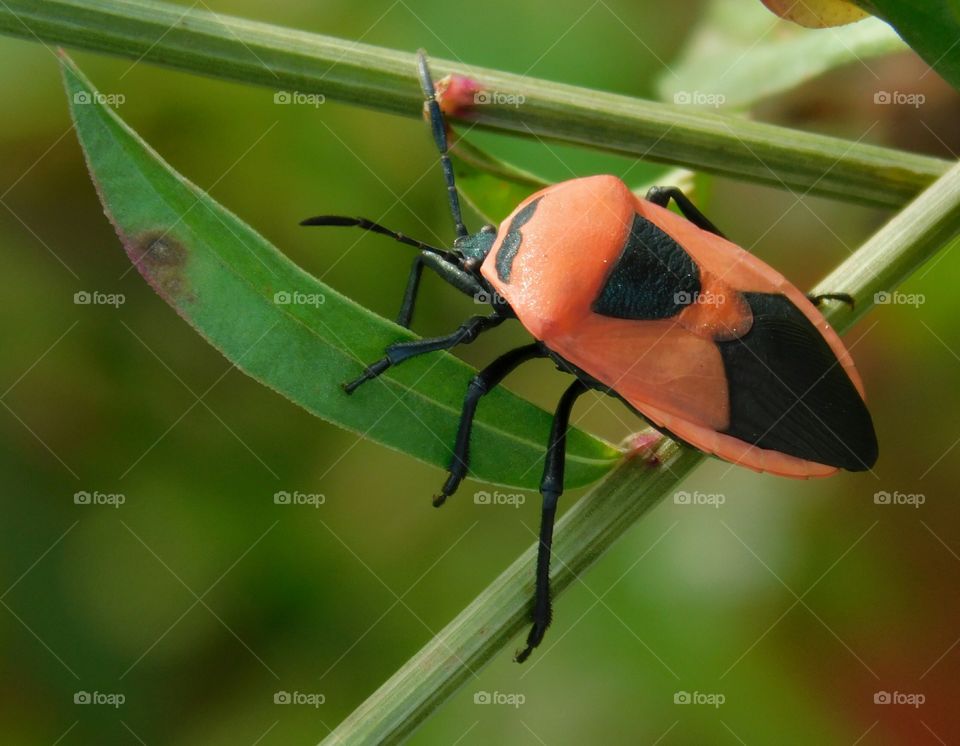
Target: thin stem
x=590 y=526
x=385 y=79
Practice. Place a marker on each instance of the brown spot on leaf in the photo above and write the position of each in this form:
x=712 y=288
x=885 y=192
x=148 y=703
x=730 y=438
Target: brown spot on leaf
x=162 y=260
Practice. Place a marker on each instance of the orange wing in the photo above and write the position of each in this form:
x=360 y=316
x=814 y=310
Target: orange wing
x=672 y=370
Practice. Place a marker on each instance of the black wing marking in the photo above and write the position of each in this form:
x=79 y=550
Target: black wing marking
x=789 y=393
x=511 y=241
x=654 y=278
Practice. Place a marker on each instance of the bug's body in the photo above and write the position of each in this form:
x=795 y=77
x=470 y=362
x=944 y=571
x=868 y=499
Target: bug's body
x=700 y=337
x=665 y=340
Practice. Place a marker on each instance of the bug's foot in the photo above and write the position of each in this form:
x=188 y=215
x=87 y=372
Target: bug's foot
x=534 y=638
x=818 y=300
x=449 y=487
x=369 y=374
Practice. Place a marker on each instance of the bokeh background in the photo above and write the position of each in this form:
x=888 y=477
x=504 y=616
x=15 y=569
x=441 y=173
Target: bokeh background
x=199 y=598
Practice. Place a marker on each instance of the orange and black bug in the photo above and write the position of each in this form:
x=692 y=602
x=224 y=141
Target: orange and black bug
x=696 y=335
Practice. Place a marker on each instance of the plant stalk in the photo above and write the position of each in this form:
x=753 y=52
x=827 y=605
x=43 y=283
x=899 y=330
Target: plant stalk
x=247 y=51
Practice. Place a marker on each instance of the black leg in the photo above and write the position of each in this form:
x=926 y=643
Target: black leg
x=448 y=271
x=437 y=259
x=662 y=196
x=410 y=294
x=818 y=300
x=439 y=128
x=482 y=383
x=397 y=353
x=551 y=487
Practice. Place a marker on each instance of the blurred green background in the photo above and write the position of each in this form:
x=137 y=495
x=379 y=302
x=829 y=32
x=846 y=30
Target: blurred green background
x=198 y=599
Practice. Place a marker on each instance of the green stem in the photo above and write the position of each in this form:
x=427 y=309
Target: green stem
x=252 y=52
x=592 y=524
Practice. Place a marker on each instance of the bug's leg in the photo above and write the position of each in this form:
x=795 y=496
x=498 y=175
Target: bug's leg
x=410 y=294
x=662 y=195
x=551 y=487
x=416 y=270
x=468 y=331
x=482 y=383
x=447 y=270
x=818 y=299
x=439 y=129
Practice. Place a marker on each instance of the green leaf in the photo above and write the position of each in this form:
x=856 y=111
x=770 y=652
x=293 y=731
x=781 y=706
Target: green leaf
x=741 y=53
x=931 y=27
x=228 y=282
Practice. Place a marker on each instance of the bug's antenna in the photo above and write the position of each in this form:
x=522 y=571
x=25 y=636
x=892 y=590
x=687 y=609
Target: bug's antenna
x=439 y=128
x=369 y=225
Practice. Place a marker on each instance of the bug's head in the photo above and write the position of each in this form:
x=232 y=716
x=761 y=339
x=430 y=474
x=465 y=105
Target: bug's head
x=475 y=247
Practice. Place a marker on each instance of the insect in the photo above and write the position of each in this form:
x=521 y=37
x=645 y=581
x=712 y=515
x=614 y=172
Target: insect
x=705 y=341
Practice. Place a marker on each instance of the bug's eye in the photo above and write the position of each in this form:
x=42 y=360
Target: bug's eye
x=488 y=229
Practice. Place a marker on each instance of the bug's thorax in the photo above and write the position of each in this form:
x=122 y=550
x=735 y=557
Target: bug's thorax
x=537 y=261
